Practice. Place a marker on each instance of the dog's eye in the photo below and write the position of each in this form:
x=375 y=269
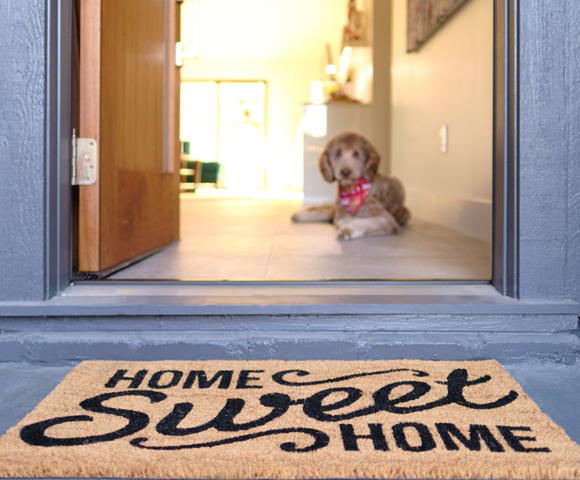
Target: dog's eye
x=355 y=154
x=339 y=152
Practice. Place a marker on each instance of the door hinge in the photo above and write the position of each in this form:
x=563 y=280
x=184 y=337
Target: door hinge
x=83 y=160
x=179 y=54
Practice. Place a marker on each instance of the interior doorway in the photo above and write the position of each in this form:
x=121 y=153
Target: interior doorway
x=223 y=129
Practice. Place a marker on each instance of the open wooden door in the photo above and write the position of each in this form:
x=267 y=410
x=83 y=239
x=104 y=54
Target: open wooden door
x=129 y=103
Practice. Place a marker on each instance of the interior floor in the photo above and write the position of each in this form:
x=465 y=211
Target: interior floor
x=255 y=239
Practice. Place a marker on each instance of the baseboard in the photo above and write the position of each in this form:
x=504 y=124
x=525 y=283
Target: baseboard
x=469 y=216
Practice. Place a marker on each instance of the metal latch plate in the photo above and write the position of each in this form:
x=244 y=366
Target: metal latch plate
x=84 y=161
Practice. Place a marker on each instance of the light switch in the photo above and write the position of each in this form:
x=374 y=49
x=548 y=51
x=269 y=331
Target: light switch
x=444 y=138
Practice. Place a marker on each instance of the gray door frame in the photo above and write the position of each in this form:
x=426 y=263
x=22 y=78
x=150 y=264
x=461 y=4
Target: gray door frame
x=508 y=271
x=505 y=152
x=58 y=264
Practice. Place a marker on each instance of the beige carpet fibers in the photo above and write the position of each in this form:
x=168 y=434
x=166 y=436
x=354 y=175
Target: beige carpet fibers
x=289 y=420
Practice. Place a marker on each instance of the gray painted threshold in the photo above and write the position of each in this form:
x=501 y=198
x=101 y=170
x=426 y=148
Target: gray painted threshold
x=276 y=298
x=300 y=320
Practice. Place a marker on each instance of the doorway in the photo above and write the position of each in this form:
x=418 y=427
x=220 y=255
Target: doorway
x=428 y=250
x=223 y=131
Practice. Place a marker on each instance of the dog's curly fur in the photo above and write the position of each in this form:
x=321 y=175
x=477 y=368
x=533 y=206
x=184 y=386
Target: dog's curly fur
x=347 y=157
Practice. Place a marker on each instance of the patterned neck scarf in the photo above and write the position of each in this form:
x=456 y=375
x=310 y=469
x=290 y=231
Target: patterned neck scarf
x=352 y=198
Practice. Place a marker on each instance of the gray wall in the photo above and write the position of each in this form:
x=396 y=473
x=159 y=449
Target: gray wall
x=549 y=149
x=572 y=138
x=549 y=152
x=22 y=152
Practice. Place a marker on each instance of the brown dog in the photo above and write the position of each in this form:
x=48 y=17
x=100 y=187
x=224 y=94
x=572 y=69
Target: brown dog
x=368 y=203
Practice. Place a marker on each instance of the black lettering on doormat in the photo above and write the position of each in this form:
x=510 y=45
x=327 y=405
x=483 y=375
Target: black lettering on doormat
x=247 y=379
x=329 y=408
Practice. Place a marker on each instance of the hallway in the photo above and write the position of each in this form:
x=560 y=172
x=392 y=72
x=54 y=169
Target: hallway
x=253 y=239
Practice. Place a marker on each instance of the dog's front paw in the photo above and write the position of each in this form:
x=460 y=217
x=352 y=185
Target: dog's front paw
x=346 y=233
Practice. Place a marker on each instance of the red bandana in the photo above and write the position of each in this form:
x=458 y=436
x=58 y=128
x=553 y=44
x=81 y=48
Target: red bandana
x=353 y=198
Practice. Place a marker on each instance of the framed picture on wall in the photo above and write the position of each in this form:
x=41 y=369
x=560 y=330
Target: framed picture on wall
x=425 y=17
x=354 y=31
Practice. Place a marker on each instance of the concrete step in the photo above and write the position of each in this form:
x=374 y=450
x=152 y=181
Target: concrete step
x=63 y=345
x=290 y=321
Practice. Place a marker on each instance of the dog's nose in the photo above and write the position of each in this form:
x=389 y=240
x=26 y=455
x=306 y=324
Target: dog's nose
x=345 y=172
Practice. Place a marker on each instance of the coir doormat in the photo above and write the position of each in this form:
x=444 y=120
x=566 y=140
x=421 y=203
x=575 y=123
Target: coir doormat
x=289 y=420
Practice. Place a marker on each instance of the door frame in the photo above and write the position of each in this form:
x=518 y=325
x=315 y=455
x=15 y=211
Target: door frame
x=505 y=220
x=505 y=245
x=58 y=128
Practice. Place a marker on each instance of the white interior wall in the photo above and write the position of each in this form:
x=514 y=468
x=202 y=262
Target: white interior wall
x=447 y=82
x=381 y=107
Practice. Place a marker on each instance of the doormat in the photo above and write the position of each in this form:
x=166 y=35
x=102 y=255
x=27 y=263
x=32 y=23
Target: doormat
x=289 y=420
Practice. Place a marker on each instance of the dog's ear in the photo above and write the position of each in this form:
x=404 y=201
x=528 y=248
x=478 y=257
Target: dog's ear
x=372 y=161
x=325 y=167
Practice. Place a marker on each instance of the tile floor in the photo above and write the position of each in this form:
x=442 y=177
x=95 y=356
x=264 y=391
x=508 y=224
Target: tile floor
x=254 y=239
